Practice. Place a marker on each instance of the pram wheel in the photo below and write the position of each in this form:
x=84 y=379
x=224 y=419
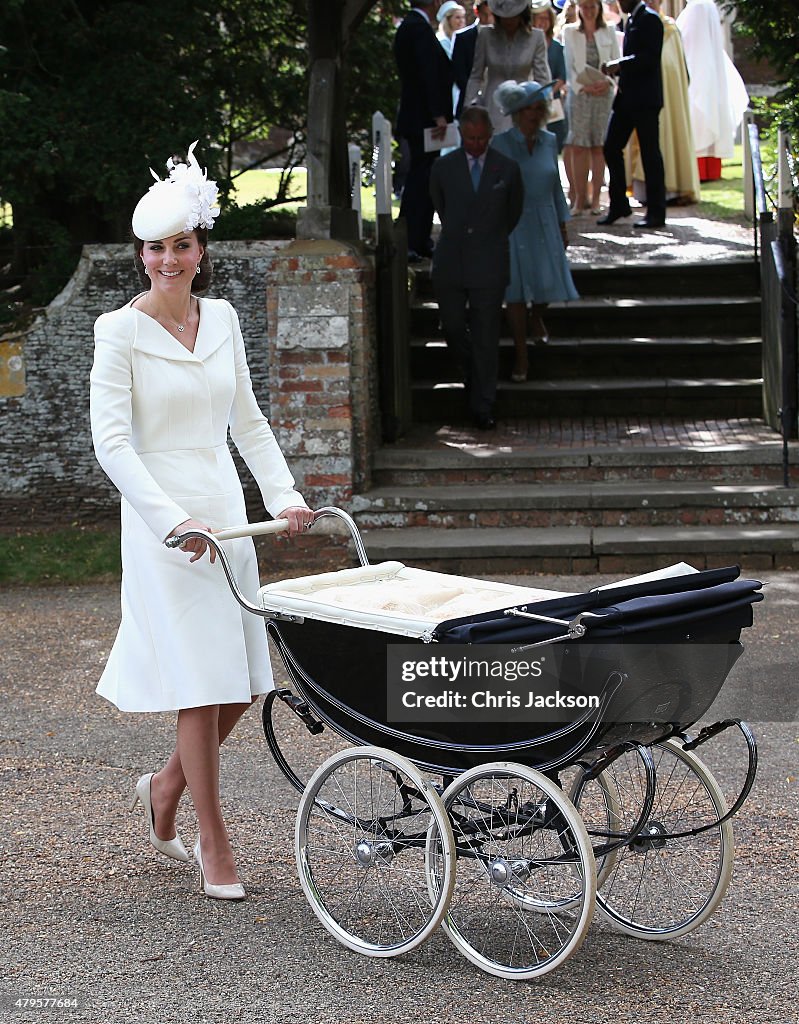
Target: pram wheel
x=662 y=883
x=525 y=882
x=362 y=841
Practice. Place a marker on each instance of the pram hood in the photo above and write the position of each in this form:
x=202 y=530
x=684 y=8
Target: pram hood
x=666 y=607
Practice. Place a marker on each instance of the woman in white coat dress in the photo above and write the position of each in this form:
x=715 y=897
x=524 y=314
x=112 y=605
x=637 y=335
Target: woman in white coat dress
x=169 y=379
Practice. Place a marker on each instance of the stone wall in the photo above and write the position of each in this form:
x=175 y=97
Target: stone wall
x=324 y=419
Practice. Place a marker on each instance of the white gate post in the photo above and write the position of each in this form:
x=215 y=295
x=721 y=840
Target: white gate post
x=784 y=173
x=381 y=142
x=355 y=182
x=749 y=181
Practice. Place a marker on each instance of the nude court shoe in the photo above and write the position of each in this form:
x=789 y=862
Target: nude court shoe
x=169 y=847
x=231 y=891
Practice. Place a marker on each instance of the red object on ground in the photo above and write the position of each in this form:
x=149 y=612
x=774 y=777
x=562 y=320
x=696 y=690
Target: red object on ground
x=709 y=168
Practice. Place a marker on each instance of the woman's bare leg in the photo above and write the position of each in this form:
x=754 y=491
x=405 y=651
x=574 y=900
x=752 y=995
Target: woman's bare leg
x=198 y=748
x=169 y=785
x=568 y=163
x=582 y=160
x=517 y=318
x=537 y=325
x=597 y=176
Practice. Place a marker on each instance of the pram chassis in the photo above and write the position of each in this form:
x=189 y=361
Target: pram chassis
x=497 y=840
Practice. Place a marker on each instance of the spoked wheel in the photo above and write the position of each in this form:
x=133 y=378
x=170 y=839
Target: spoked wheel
x=525 y=880
x=362 y=840
x=662 y=883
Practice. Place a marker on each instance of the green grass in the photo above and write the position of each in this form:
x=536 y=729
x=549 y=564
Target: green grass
x=254 y=185
x=724 y=199
x=76 y=554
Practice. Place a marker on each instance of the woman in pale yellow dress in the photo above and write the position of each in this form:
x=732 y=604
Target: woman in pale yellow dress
x=676 y=136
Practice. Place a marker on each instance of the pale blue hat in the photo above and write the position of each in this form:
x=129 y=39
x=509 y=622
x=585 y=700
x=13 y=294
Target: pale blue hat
x=512 y=96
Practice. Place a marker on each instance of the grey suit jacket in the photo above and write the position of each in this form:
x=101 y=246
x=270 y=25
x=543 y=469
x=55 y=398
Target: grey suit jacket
x=472 y=250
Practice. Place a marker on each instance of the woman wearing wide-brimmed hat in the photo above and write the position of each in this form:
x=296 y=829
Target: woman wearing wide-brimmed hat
x=509 y=50
x=539 y=270
x=169 y=380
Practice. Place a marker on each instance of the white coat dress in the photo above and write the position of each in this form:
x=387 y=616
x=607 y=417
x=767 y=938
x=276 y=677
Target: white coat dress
x=160 y=417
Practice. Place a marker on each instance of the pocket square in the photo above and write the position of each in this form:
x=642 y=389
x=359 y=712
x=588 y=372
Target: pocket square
x=500 y=184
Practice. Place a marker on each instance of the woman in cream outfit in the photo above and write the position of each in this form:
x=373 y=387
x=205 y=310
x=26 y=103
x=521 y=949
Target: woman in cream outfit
x=169 y=379
x=588 y=43
x=510 y=49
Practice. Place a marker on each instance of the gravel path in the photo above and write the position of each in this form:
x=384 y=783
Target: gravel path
x=88 y=910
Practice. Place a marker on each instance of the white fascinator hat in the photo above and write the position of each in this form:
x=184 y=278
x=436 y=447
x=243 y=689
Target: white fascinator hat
x=181 y=202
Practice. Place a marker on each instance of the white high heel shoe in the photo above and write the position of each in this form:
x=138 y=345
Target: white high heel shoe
x=169 y=847
x=231 y=891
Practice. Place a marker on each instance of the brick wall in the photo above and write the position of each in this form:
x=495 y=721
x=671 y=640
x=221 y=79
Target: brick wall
x=321 y=324
x=319 y=340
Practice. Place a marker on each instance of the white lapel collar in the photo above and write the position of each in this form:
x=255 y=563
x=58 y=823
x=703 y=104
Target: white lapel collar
x=214 y=330
x=153 y=339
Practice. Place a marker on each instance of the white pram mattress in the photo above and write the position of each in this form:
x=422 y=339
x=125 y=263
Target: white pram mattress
x=395 y=598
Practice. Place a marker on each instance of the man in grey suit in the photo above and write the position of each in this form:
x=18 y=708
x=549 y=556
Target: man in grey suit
x=478 y=195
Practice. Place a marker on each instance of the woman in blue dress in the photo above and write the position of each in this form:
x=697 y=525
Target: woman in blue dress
x=539 y=270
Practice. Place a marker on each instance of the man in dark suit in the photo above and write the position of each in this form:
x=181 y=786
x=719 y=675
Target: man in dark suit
x=637 y=107
x=425 y=75
x=478 y=195
x=463 y=49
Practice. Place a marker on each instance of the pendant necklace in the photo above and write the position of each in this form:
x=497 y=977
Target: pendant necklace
x=180 y=327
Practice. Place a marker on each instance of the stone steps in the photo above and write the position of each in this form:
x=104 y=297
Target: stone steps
x=661 y=279
x=632 y=317
x=649 y=355
x=398 y=467
x=603 y=503
x=721 y=396
x=584 y=549
x=597 y=358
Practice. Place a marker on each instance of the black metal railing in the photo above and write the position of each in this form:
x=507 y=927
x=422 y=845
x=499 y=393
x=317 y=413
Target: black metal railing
x=775 y=248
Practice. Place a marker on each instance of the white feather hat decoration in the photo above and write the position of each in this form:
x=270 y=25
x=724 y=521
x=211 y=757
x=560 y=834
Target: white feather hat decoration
x=183 y=201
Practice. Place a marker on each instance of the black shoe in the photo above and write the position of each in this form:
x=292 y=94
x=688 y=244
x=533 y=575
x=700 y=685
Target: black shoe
x=647 y=223
x=486 y=422
x=611 y=217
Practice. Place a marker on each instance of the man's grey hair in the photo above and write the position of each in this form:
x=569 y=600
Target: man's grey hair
x=475 y=115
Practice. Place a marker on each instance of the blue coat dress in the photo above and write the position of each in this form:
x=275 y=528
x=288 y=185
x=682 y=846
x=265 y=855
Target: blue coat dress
x=539 y=270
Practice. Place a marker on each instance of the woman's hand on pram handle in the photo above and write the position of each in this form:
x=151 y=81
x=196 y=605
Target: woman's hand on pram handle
x=196 y=545
x=298 y=517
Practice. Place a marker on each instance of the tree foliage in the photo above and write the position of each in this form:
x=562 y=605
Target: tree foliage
x=773 y=28
x=92 y=92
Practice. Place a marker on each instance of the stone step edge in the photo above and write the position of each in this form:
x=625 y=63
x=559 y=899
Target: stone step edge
x=641 y=345
x=653 y=268
x=605 y=385
x=628 y=494
x=576 y=541
x=649 y=304
x=481 y=457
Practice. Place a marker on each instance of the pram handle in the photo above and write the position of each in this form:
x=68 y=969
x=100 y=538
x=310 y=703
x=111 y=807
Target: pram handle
x=258 y=529
x=273 y=526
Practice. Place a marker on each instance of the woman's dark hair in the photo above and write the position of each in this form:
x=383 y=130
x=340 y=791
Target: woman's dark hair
x=600 y=21
x=526 y=19
x=201 y=282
